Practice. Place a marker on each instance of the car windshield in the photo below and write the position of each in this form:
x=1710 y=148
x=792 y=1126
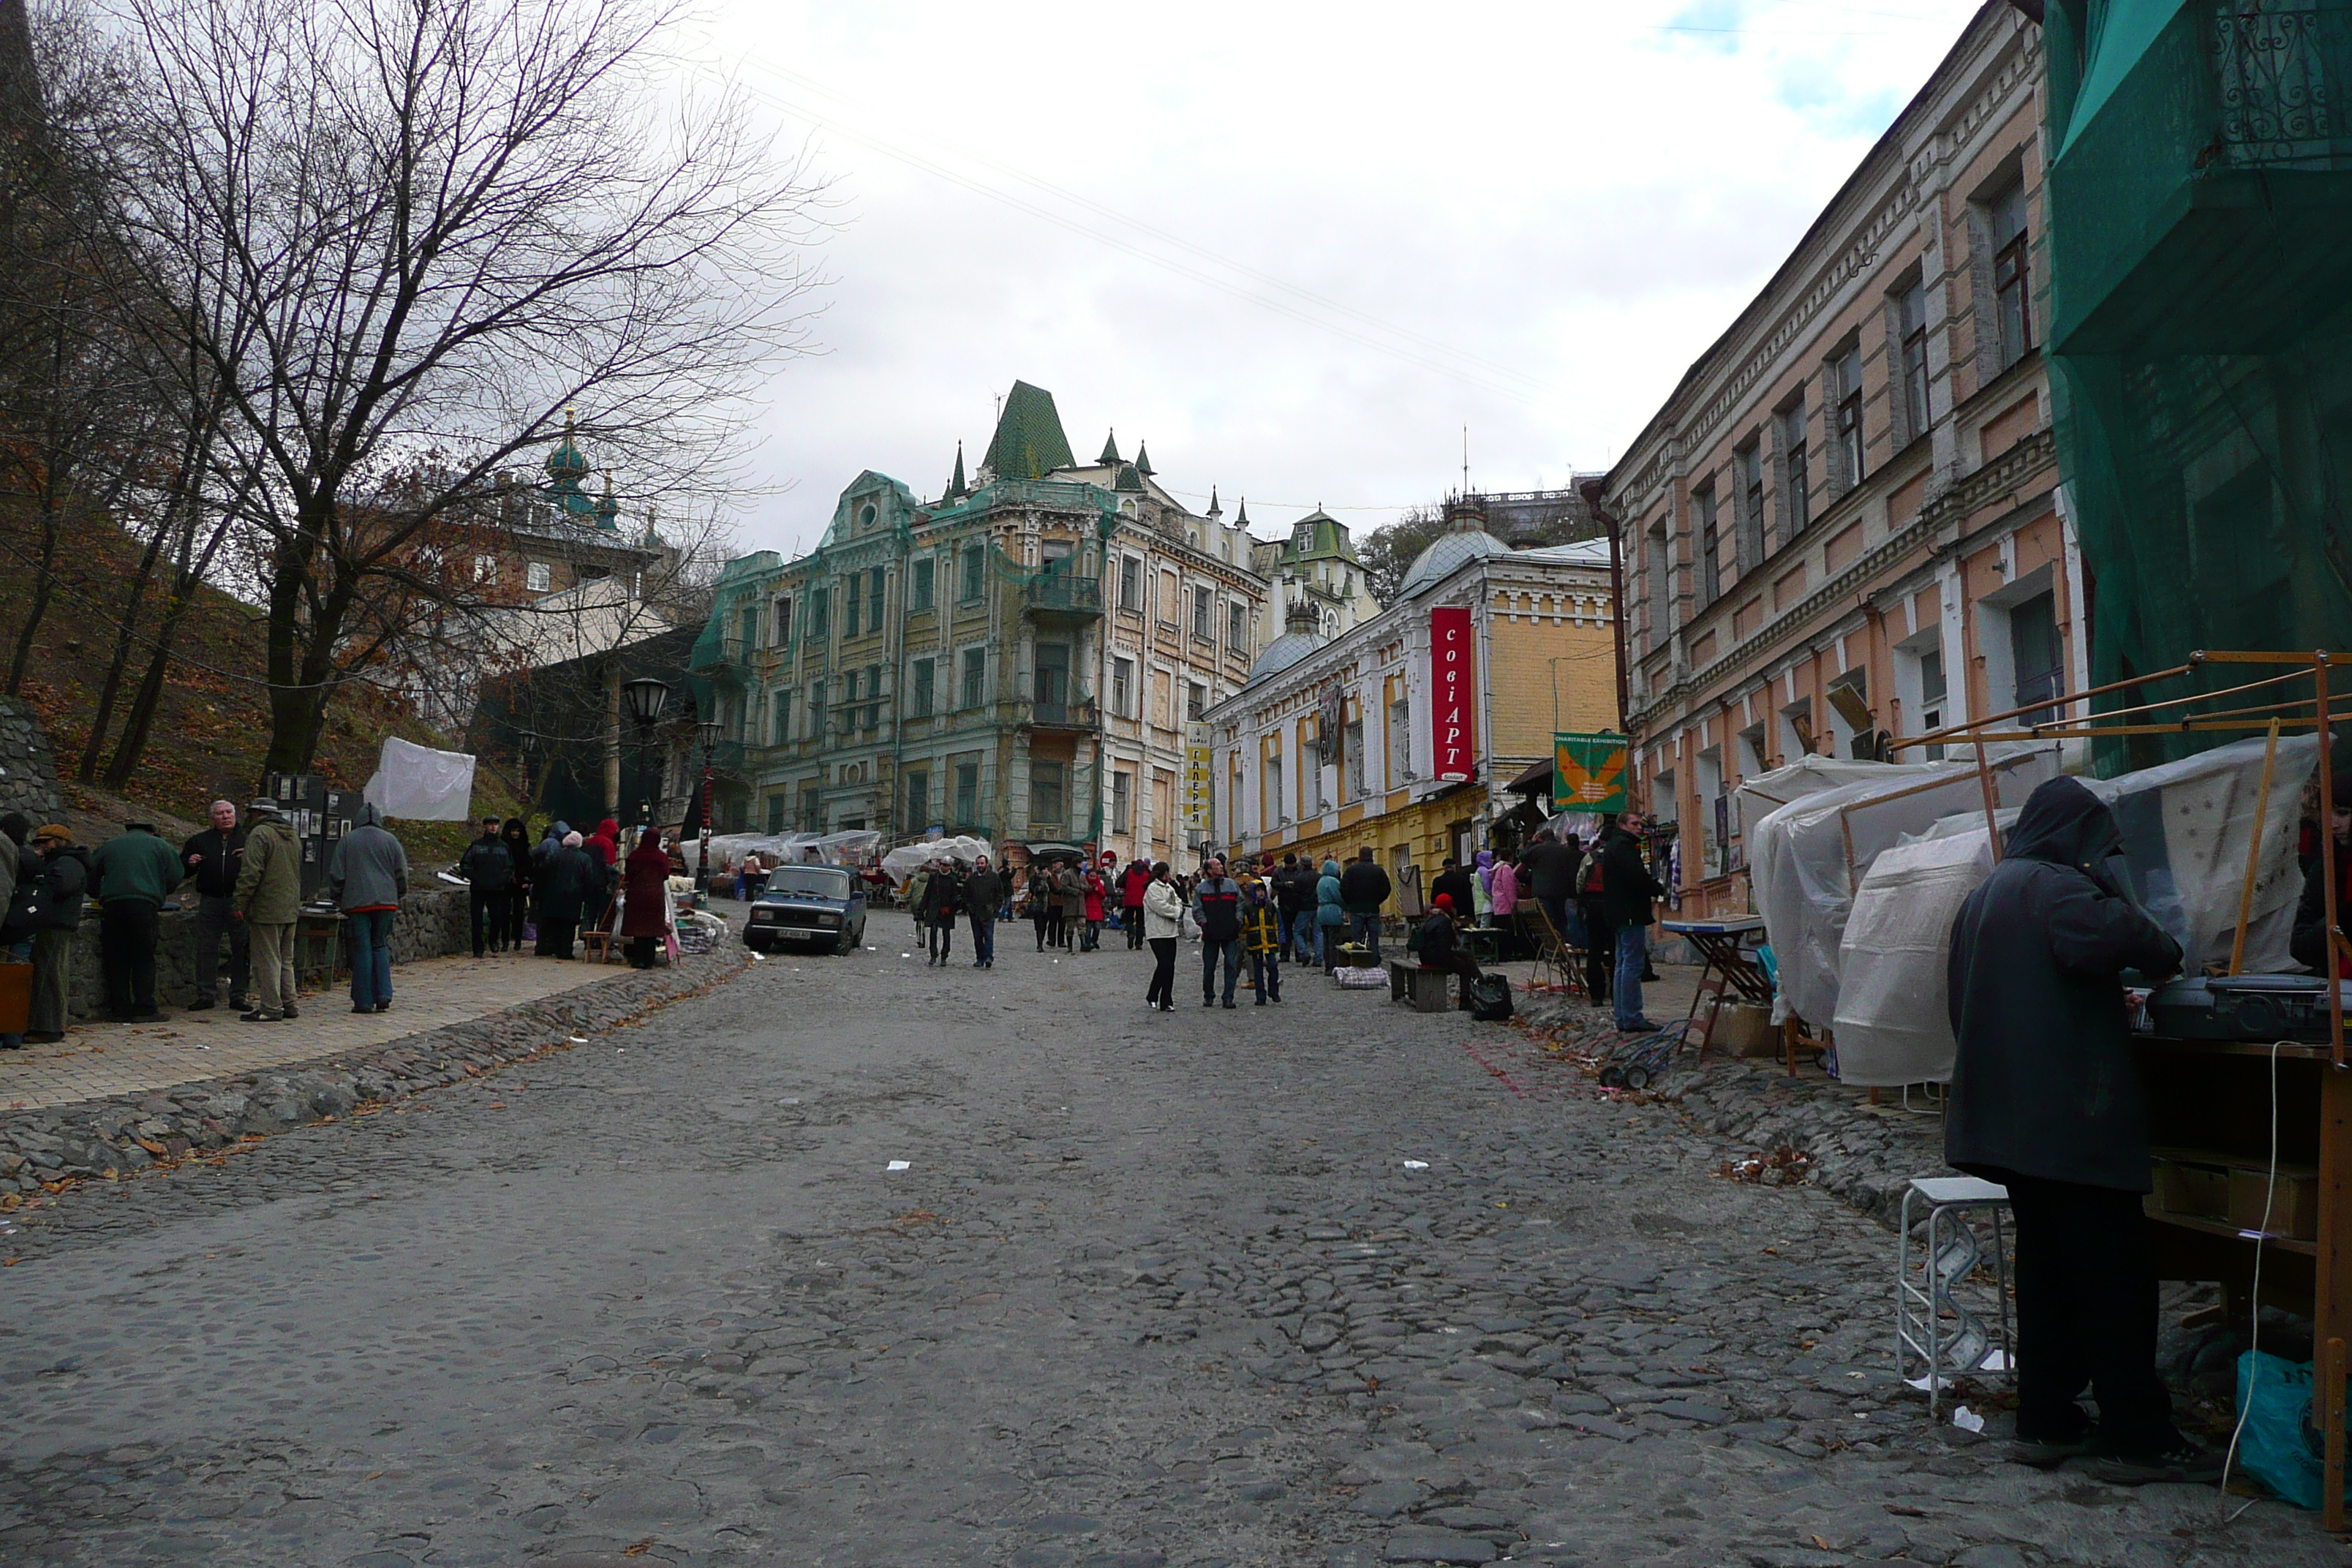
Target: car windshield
x=823 y=881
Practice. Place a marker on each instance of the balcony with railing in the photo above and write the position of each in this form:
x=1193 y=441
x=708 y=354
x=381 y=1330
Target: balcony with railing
x=1075 y=712
x=2201 y=199
x=1051 y=595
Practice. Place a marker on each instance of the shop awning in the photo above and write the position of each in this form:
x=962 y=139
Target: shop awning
x=1538 y=776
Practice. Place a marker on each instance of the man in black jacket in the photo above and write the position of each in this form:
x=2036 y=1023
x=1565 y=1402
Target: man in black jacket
x=1627 y=890
x=489 y=868
x=1552 y=876
x=2045 y=1100
x=213 y=857
x=983 y=895
x=1453 y=882
x=1217 y=905
x=1363 y=888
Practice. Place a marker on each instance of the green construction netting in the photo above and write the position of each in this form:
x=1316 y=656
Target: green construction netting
x=2199 y=218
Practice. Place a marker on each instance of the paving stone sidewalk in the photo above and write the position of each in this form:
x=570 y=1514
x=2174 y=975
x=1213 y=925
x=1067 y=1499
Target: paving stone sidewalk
x=131 y=1096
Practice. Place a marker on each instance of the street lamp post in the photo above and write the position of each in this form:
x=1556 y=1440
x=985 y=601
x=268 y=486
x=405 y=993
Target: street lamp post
x=528 y=740
x=646 y=697
x=708 y=728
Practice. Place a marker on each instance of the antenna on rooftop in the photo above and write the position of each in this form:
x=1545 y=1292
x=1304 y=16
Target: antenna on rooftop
x=1465 y=459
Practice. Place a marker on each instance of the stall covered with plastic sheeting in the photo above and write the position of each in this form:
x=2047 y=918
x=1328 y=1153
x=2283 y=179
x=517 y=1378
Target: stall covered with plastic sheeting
x=2188 y=828
x=1810 y=855
x=421 y=784
x=852 y=849
x=907 y=859
x=1893 y=1024
x=1760 y=796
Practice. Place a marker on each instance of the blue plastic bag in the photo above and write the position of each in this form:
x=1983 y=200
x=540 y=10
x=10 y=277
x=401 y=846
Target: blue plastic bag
x=2280 y=1447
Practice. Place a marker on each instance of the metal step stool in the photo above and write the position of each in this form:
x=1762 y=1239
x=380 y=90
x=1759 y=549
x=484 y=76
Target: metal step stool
x=1937 y=1336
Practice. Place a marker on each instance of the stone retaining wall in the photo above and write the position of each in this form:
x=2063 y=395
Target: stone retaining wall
x=28 y=771
x=432 y=923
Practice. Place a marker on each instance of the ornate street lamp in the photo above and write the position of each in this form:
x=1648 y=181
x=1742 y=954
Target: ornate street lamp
x=528 y=740
x=645 y=697
x=709 y=730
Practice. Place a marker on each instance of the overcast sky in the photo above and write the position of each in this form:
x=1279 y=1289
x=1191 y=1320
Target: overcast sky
x=1295 y=248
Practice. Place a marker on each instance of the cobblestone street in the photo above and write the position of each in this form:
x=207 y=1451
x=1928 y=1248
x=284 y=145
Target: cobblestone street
x=1330 y=1283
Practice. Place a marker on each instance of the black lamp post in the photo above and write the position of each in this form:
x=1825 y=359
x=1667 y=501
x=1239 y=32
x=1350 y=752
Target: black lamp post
x=528 y=740
x=708 y=728
x=645 y=697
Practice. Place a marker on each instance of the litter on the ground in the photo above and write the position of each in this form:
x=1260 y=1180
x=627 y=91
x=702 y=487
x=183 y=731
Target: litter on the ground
x=899 y=1165
x=576 y=1040
x=1965 y=1419
x=1416 y=1164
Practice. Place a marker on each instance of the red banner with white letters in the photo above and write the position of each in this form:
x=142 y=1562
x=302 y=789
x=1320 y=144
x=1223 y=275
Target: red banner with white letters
x=1452 y=694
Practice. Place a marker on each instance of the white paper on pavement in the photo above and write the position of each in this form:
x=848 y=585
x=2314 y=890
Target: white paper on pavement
x=421 y=784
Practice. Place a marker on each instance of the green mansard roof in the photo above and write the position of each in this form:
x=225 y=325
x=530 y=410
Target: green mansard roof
x=1029 y=443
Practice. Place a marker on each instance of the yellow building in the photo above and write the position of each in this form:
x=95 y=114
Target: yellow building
x=1336 y=742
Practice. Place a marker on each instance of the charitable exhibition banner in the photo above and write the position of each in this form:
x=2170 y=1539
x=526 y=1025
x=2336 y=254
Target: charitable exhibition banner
x=1588 y=772
x=1452 y=694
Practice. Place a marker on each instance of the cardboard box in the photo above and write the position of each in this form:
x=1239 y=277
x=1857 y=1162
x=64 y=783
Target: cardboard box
x=2293 y=1201
x=1745 y=1029
x=2198 y=1191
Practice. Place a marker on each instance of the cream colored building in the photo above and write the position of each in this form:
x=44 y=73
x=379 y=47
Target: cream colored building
x=1331 y=745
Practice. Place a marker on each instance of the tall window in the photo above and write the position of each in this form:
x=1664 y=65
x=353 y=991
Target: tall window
x=536 y=576
x=777 y=805
x=1196 y=698
x=918 y=800
x=1352 y=747
x=1237 y=627
x=1400 y=747
x=1932 y=694
x=967 y=794
x=975 y=677
x=780 y=717
x=812 y=808
x=820 y=613
x=1794 y=468
x=1130 y=584
x=2034 y=647
x=1846 y=372
x=925 y=585
x=1911 y=321
x=849 y=603
x=1660 y=573
x=1748 y=462
x=924 y=689
x=784 y=621
x=975 y=562
x=1204 y=604
x=1045 y=806
x=2012 y=291
x=816 y=710
x=1275 y=815
x=874 y=688
x=1122 y=687
x=876 y=597
x=1051 y=685
x=1122 y=802
x=1703 y=522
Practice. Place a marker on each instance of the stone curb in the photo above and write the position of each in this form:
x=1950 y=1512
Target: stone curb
x=1863 y=1154
x=124 y=1135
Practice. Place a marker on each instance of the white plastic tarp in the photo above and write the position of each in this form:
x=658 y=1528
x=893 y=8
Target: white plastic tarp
x=2187 y=828
x=907 y=859
x=1893 y=1024
x=1760 y=796
x=1808 y=856
x=852 y=849
x=421 y=784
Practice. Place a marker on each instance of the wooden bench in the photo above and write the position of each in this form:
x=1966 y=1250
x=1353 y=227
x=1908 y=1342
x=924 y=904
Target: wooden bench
x=1417 y=983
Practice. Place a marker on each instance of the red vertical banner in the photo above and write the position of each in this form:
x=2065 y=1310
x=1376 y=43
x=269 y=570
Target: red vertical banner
x=1452 y=694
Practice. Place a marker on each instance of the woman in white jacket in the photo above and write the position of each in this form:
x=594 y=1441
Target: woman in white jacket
x=1163 y=921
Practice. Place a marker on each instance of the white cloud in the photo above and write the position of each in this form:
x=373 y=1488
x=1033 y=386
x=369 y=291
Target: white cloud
x=1572 y=200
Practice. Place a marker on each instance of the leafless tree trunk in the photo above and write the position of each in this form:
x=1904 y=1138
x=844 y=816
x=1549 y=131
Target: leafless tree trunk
x=406 y=237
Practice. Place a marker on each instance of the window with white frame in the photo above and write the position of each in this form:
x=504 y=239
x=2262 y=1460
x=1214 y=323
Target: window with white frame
x=1122 y=687
x=1130 y=584
x=1845 y=381
x=1203 y=608
x=538 y=576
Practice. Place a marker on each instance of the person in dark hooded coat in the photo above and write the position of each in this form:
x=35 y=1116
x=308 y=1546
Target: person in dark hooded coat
x=2045 y=1100
x=517 y=839
x=567 y=880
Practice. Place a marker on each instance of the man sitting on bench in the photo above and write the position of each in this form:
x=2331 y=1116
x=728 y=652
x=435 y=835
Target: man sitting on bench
x=1437 y=947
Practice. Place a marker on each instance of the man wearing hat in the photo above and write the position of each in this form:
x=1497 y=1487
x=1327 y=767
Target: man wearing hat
x=134 y=871
x=269 y=899
x=63 y=867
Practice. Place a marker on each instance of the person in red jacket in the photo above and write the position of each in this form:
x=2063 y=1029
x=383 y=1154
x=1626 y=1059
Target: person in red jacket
x=1131 y=885
x=1093 y=943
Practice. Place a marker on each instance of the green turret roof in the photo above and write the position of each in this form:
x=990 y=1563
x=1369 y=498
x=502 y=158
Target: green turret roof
x=1317 y=536
x=1126 y=478
x=1029 y=443
x=1144 y=459
x=957 y=488
x=1110 y=450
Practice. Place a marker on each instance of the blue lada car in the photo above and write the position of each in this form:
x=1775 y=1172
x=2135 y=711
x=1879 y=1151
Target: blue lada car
x=817 y=906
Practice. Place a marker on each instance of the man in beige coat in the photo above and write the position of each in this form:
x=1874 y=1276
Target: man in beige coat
x=269 y=899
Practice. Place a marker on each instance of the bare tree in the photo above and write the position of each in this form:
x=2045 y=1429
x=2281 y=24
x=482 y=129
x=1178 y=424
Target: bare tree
x=403 y=237
x=1389 y=552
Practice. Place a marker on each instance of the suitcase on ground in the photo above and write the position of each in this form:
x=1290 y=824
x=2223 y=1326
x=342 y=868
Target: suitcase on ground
x=1490 y=998
x=15 y=997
